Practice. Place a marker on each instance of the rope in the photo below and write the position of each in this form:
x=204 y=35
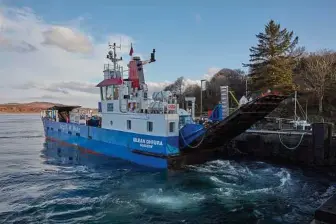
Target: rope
x=291 y=148
x=190 y=146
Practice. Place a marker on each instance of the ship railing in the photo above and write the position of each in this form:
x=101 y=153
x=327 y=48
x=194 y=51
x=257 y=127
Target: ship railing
x=109 y=71
x=108 y=67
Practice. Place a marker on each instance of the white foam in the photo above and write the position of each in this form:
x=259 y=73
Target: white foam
x=171 y=200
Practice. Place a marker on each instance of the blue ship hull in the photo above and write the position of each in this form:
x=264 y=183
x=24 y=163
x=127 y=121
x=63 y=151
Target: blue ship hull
x=151 y=151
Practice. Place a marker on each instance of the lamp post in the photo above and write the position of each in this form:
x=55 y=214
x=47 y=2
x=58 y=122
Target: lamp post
x=201 y=108
x=246 y=87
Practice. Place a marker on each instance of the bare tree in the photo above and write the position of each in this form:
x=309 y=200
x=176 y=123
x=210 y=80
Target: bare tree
x=318 y=72
x=177 y=88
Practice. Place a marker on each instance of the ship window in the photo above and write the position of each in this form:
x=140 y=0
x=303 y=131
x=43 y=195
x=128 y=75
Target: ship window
x=101 y=93
x=149 y=126
x=116 y=93
x=110 y=107
x=171 y=126
x=109 y=92
x=129 y=126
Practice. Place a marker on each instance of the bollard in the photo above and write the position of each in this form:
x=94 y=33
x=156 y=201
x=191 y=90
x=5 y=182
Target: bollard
x=322 y=137
x=332 y=149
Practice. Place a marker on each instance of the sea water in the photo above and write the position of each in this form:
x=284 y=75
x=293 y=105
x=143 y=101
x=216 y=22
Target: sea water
x=45 y=182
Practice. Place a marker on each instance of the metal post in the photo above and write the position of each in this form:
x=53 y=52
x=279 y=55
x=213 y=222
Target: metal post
x=201 y=109
x=201 y=101
x=193 y=109
x=192 y=100
x=295 y=106
x=307 y=110
x=246 y=87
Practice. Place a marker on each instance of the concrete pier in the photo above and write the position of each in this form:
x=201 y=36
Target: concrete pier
x=326 y=213
x=316 y=148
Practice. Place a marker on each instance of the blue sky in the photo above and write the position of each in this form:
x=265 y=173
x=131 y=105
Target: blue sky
x=190 y=37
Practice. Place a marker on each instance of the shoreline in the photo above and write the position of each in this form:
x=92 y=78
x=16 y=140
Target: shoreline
x=18 y=113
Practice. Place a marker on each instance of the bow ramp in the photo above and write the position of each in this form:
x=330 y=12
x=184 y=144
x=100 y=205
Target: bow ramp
x=223 y=131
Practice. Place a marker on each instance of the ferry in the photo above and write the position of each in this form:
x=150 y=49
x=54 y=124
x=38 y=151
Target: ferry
x=149 y=131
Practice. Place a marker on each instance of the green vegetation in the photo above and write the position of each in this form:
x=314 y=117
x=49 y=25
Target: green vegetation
x=273 y=59
x=276 y=63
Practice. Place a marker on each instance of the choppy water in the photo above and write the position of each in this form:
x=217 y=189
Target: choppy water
x=49 y=183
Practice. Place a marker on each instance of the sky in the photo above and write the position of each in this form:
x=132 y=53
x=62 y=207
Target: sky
x=55 y=50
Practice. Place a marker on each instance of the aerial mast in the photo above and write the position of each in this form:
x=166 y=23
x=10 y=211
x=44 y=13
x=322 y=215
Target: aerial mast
x=113 y=56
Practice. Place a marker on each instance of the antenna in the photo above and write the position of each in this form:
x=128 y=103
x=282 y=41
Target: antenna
x=152 y=59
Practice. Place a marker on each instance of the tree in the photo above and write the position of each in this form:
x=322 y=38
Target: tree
x=177 y=87
x=235 y=79
x=273 y=59
x=318 y=72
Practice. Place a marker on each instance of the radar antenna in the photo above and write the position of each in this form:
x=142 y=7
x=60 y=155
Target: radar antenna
x=152 y=58
x=112 y=55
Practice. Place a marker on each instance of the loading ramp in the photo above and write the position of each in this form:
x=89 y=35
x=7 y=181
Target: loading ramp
x=221 y=132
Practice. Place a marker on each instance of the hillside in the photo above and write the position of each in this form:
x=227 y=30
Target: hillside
x=33 y=107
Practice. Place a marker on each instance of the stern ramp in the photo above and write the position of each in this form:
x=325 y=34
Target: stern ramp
x=221 y=132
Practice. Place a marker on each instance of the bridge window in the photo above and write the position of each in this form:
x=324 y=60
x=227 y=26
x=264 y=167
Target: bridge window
x=171 y=126
x=115 y=93
x=101 y=93
x=109 y=92
x=129 y=126
x=149 y=126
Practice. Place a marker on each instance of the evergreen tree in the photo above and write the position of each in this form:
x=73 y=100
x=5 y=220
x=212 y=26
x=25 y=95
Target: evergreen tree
x=272 y=60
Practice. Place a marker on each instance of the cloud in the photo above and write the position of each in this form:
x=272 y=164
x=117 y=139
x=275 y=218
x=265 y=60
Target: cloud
x=60 y=63
x=67 y=39
x=16 y=46
x=65 y=87
x=157 y=86
x=40 y=59
x=211 y=72
x=207 y=76
x=154 y=87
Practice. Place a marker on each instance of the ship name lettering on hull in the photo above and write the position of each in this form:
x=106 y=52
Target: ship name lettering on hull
x=67 y=127
x=147 y=143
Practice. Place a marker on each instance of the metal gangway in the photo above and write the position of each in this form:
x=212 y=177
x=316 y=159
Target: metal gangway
x=221 y=132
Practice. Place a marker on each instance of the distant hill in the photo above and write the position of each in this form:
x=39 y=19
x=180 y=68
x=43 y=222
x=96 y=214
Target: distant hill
x=32 y=107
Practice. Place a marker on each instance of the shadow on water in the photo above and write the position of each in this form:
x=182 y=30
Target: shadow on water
x=56 y=153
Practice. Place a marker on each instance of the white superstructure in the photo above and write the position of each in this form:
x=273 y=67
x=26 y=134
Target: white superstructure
x=125 y=104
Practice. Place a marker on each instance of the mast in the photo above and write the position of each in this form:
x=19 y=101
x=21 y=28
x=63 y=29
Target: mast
x=113 y=56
